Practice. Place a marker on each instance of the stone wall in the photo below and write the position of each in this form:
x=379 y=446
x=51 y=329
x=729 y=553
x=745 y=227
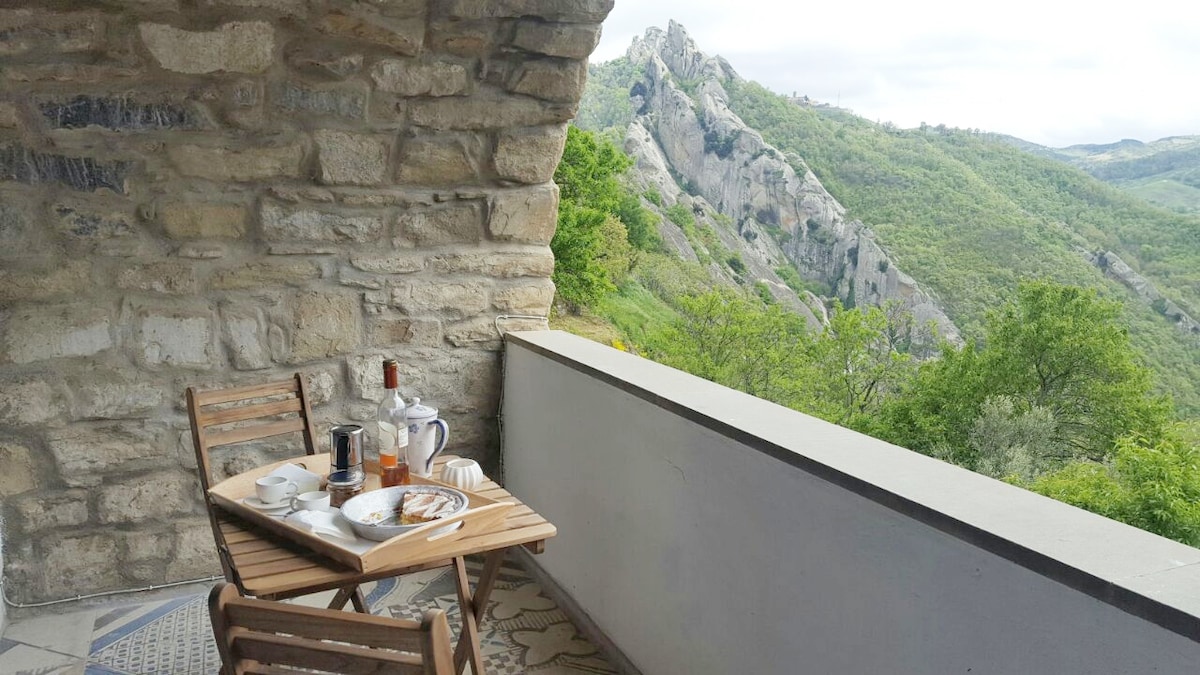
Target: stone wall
x=221 y=192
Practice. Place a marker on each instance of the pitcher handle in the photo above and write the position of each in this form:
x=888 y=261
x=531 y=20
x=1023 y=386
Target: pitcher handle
x=441 y=444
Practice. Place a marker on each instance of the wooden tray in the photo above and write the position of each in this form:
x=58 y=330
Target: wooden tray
x=482 y=514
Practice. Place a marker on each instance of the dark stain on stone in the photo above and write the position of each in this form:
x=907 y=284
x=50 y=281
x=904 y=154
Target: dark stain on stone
x=87 y=174
x=119 y=114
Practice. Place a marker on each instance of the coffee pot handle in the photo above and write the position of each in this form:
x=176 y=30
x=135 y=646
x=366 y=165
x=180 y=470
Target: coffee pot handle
x=441 y=443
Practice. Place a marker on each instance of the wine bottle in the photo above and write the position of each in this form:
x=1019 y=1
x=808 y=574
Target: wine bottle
x=393 y=429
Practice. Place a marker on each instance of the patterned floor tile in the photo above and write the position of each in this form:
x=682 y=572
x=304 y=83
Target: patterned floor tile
x=522 y=631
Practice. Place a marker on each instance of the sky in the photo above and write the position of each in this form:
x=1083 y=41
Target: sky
x=1055 y=72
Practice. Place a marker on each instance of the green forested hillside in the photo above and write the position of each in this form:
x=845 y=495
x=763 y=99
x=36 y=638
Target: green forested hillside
x=970 y=217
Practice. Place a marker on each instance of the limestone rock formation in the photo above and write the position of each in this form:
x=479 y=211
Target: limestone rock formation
x=684 y=133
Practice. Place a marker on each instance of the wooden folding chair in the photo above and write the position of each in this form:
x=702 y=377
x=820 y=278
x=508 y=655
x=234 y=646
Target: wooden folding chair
x=262 y=636
x=222 y=417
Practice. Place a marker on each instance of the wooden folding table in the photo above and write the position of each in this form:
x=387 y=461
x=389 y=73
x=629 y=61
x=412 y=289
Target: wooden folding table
x=271 y=563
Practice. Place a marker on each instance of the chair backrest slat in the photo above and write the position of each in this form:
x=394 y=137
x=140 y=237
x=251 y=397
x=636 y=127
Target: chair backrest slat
x=263 y=636
x=255 y=432
x=326 y=656
x=215 y=396
x=307 y=622
x=249 y=412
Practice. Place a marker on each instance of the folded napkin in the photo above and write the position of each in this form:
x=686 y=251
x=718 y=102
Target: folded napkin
x=324 y=523
x=306 y=481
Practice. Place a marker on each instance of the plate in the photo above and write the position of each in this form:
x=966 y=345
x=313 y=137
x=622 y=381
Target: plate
x=258 y=504
x=366 y=508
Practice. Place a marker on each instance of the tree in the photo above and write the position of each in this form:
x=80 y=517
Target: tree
x=857 y=363
x=1152 y=485
x=736 y=340
x=1056 y=348
x=594 y=207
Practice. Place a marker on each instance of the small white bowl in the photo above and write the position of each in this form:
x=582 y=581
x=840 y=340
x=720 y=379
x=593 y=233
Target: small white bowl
x=463 y=474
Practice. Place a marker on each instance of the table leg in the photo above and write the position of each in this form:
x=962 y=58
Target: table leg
x=472 y=606
x=350 y=594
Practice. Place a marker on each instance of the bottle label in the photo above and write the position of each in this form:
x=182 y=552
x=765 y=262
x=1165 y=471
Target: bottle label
x=387 y=438
x=402 y=437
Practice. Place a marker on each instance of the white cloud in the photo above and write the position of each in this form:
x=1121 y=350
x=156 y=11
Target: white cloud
x=1051 y=72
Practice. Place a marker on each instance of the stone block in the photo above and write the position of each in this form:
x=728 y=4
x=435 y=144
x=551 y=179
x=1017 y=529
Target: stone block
x=347 y=101
x=366 y=375
x=284 y=223
x=49 y=510
x=405 y=35
x=265 y=274
x=474 y=332
x=455 y=224
x=457 y=299
x=180 y=338
x=16 y=226
x=121 y=113
x=321 y=386
x=471 y=38
x=348 y=276
x=236 y=47
x=353 y=159
x=85 y=174
x=155 y=496
x=10 y=116
x=389 y=329
x=56 y=331
x=413 y=77
x=18 y=475
x=110 y=394
x=74 y=73
x=76 y=563
x=174 y=278
x=568 y=40
x=202 y=220
x=88 y=222
x=441 y=159
x=532 y=297
x=246 y=164
x=84 y=454
x=486 y=109
x=201 y=251
x=23 y=31
x=324 y=325
x=536 y=262
x=146 y=545
x=28 y=402
x=194 y=555
x=392 y=263
x=244 y=334
x=321 y=59
x=559 y=80
x=527 y=215
x=530 y=155
x=32 y=284
x=575 y=11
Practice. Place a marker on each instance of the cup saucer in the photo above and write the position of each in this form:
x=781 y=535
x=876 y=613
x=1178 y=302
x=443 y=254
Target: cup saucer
x=256 y=503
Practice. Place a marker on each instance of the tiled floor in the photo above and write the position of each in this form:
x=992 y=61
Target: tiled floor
x=523 y=632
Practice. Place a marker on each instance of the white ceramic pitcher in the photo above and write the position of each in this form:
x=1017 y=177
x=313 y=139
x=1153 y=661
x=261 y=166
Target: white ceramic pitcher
x=423 y=444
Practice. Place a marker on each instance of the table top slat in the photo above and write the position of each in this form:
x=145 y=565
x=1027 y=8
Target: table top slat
x=271 y=566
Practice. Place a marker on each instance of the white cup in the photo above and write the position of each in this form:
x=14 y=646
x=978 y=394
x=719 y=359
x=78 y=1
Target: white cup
x=463 y=474
x=274 y=489
x=311 y=501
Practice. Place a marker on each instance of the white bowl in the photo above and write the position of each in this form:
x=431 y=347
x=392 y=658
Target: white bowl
x=363 y=510
x=463 y=474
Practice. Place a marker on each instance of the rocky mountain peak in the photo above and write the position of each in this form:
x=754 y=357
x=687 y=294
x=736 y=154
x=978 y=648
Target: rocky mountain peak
x=769 y=207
